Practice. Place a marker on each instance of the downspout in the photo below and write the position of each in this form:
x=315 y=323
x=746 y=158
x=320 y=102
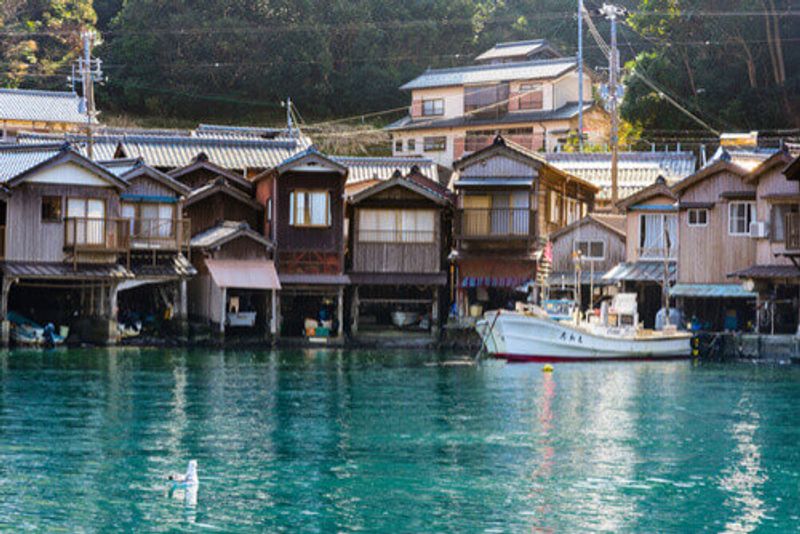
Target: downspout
x=544 y=136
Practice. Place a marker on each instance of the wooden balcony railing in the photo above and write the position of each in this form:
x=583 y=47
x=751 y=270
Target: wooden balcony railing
x=160 y=234
x=792 y=231
x=495 y=223
x=396 y=236
x=397 y=251
x=91 y=234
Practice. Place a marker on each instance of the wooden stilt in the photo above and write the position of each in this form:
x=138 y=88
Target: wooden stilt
x=340 y=311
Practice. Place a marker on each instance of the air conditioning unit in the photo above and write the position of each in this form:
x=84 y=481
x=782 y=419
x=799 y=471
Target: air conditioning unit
x=759 y=229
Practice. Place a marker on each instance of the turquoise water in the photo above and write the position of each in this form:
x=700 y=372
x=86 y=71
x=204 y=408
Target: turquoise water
x=340 y=441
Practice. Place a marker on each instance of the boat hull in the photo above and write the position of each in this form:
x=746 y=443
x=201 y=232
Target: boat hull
x=524 y=338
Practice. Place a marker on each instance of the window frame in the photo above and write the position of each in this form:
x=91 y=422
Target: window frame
x=411 y=144
x=589 y=242
x=431 y=148
x=526 y=92
x=697 y=212
x=750 y=212
x=398 y=145
x=60 y=217
x=436 y=107
x=293 y=211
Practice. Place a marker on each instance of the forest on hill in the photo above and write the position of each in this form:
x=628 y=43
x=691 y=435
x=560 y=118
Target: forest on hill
x=733 y=64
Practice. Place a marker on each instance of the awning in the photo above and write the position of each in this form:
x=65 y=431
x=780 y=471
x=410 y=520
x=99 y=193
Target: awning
x=565 y=278
x=718 y=291
x=768 y=272
x=399 y=279
x=493 y=182
x=492 y=281
x=640 y=271
x=244 y=274
x=65 y=271
x=178 y=267
x=316 y=279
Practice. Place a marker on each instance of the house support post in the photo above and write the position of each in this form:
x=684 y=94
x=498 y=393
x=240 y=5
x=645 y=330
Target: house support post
x=354 y=308
x=223 y=312
x=181 y=307
x=5 y=327
x=340 y=311
x=277 y=319
x=435 y=313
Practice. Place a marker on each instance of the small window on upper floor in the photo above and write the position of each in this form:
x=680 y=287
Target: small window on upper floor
x=433 y=107
x=591 y=250
x=411 y=145
x=51 y=209
x=698 y=217
x=435 y=144
x=531 y=96
x=740 y=215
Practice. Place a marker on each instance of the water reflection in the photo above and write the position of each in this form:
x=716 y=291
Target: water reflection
x=745 y=476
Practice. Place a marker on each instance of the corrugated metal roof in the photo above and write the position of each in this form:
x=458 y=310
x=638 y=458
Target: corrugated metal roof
x=640 y=271
x=16 y=159
x=244 y=274
x=636 y=170
x=567 y=279
x=746 y=158
x=474 y=74
x=363 y=169
x=224 y=231
x=567 y=111
x=64 y=270
x=721 y=291
x=35 y=105
x=315 y=279
x=512 y=49
x=472 y=181
x=768 y=271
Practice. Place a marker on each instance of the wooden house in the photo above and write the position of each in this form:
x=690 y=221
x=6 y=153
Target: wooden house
x=773 y=274
x=716 y=207
x=509 y=200
x=583 y=252
x=68 y=232
x=399 y=233
x=651 y=247
x=303 y=200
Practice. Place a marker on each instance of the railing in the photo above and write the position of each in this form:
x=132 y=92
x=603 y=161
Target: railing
x=657 y=253
x=96 y=234
x=495 y=223
x=396 y=236
x=164 y=234
x=792 y=231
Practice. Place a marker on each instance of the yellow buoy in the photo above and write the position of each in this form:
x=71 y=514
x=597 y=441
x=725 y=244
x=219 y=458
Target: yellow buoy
x=547 y=368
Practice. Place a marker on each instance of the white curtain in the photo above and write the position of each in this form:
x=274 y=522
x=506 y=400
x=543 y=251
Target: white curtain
x=520 y=201
x=500 y=214
x=165 y=215
x=318 y=202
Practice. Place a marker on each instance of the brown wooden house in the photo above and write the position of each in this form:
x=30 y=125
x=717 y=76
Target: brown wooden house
x=397 y=255
x=716 y=207
x=651 y=247
x=582 y=254
x=509 y=200
x=774 y=272
x=303 y=200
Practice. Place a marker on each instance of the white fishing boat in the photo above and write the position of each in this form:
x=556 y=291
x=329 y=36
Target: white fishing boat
x=529 y=334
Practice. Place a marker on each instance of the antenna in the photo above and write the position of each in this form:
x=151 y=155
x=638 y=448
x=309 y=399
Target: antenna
x=87 y=70
x=613 y=93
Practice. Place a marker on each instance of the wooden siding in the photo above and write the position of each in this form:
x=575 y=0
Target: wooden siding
x=146 y=186
x=30 y=239
x=499 y=166
x=242 y=248
x=707 y=254
x=772 y=183
x=563 y=247
x=212 y=210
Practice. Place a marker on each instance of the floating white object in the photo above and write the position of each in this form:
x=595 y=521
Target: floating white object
x=188 y=483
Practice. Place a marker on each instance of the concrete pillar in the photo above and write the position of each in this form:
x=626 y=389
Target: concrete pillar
x=5 y=327
x=223 y=311
x=340 y=311
x=181 y=307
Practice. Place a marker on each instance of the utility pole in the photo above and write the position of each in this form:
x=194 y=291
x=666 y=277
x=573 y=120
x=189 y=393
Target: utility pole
x=613 y=93
x=289 y=121
x=580 y=75
x=88 y=70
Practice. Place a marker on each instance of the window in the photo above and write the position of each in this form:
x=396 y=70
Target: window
x=398 y=145
x=591 y=250
x=531 y=96
x=309 y=208
x=554 y=207
x=411 y=145
x=698 y=217
x=51 y=209
x=396 y=226
x=779 y=213
x=486 y=100
x=657 y=233
x=86 y=221
x=433 y=107
x=150 y=219
x=435 y=144
x=740 y=215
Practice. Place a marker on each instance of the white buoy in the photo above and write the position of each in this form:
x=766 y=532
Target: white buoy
x=189 y=483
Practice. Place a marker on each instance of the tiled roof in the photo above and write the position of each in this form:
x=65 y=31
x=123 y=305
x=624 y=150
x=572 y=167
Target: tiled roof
x=523 y=70
x=34 y=105
x=16 y=159
x=512 y=49
x=615 y=223
x=768 y=271
x=178 y=266
x=636 y=170
x=746 y=158
x=728 y=291
x=363 y=169
x=119 y=167
x=565 y=112
x=247 y=132
x=64 y=270
x=223 y=232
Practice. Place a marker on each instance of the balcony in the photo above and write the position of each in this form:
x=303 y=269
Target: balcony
x=792 y=231
x=160 y=234
x=96 y=235
x=495 y=224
